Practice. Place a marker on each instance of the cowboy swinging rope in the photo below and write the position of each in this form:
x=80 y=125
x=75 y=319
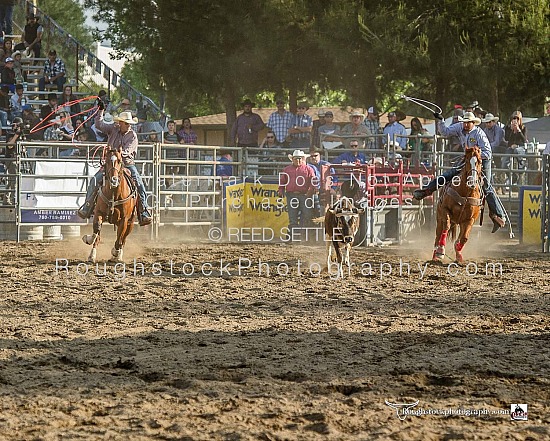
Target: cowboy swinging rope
x=436 y=109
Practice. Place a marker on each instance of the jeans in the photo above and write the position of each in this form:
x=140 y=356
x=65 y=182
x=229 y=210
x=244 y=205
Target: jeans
x=6 y=21
x=495 y=207
x=299 y=210
x=98 y=178
x=59 y=82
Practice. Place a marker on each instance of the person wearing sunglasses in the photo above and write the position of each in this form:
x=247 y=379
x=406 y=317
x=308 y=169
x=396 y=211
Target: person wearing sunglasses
x=269 y=142
x=515 y=137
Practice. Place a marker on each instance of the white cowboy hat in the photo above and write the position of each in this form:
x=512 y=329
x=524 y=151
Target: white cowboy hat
x=490 y=117
x=298 y=153
x=470 y=117
x=356 y=113
x=126 y=117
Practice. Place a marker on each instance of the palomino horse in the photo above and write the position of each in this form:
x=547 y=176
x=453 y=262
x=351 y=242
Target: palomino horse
x=459 y=204
x=116 y=203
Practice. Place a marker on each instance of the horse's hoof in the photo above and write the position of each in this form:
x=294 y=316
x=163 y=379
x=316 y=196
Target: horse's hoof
x=88 y=239
x=93 y=256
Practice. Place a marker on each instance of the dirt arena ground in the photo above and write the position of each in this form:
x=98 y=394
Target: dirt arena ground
x=257 y=356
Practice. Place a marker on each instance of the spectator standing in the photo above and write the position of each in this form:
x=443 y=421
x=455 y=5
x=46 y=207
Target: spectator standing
x=8 y=74
x=297 y=183
x=419 y=144
x=315 y=139
x=6 y=16
x=31 y=39
x=280 y=121
x=124 y=106
x=329 y=132
x=186 y=133
x=515 y=135
x=372 y=123
x=397 y=130
x=6 y=51
x=322 y=196
x=269 y=142
x=301 y=126
x=246 y=127
x=54 y=72
x=355 y=127
x=495 y=133
x=14 y=134
x=171 y=137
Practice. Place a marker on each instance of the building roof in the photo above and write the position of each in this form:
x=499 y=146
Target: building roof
x=341 y=115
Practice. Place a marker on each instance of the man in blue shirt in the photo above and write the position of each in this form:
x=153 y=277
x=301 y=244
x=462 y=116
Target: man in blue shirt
x=469 y=136
x=397 y=130
x=352 y=157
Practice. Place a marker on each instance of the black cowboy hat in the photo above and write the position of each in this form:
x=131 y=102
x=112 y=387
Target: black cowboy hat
x=247 y=102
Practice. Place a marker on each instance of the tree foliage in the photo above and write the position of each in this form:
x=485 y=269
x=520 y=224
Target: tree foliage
x=205 y=55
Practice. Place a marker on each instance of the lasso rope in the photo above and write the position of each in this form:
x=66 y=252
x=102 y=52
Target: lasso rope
x=434 y=109
x=45 y=123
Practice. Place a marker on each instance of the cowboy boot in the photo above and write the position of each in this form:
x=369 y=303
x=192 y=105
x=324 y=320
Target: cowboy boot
x=86 y=210
x=143 y=215
x=420 y=194
x=498 y=222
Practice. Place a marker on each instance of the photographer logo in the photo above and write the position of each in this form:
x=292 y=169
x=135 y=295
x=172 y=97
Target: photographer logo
x=518 y=412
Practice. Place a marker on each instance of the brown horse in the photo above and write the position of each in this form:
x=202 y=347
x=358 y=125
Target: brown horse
x=116 y=203
x=459 y=204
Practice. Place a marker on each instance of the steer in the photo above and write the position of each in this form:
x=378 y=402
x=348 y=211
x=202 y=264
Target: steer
x=341 y=225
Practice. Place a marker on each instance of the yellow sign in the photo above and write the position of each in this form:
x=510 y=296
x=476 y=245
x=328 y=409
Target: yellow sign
x=530 y=222
x=234 y=205
x=253 y=204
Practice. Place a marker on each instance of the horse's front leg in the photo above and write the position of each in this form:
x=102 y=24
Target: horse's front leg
x=465 y=230
x=443 y=226
x=94 y=239
x=117 y=250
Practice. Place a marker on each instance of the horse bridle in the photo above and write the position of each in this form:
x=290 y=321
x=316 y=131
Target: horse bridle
x=473 y=172
x=114 y=181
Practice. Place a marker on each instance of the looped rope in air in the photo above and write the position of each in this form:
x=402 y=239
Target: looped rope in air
x=434 y=109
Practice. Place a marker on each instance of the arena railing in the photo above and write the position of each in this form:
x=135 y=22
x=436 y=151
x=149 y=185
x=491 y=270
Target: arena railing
x=181 y=179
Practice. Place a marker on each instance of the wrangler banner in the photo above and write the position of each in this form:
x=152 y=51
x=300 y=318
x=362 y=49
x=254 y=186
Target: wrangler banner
x=530 y=214
x=253 y=204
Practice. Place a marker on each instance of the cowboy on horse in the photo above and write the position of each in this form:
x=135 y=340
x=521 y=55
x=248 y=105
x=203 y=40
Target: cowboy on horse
x=120 y=136
x=469 y=136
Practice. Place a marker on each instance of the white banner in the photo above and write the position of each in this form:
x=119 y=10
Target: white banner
x=44 y=180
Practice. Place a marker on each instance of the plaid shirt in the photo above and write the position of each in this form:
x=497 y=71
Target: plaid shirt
x=52 y=70
x=301 y=121
x=280 y=125
x=374 y=128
